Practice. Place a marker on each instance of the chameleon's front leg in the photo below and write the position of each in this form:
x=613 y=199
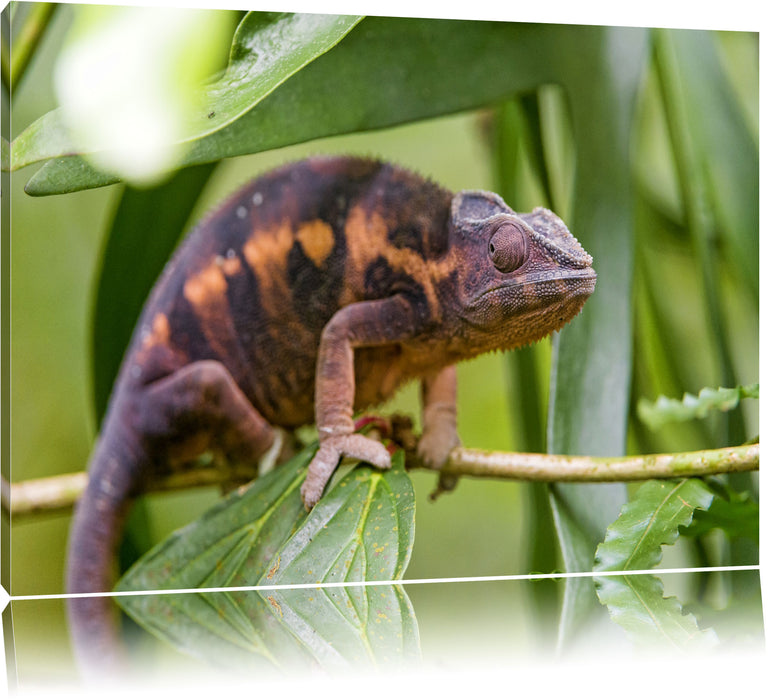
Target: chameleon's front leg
x=440 y=417
x=363 y=324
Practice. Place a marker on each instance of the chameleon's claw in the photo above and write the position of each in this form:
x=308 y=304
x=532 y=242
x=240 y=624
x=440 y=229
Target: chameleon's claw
x=328 y=457
x=435 y=447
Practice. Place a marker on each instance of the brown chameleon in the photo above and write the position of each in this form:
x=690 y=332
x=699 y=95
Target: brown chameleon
x=313 y=292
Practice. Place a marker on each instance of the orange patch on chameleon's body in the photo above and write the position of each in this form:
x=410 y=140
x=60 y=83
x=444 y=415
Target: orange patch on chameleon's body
x=367 y=238
x=205 y=288
x=230 y=266
x=269 y=248
x=317 y=240
x=267 y=253
x=206 y=292
x=160 y=332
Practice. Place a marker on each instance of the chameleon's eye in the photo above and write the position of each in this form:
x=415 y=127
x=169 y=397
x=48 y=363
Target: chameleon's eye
x=507 y=248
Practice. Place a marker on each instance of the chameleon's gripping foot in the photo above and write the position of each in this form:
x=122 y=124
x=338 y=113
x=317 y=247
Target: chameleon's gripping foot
x=328 y=456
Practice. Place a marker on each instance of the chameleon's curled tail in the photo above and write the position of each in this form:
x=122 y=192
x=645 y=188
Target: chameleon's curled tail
x=95 y=533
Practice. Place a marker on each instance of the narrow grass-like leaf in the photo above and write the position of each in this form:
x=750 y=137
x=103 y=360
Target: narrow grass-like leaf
x=692 y=165
x=267 y=49
x=592 y=356
x=575 y=544
x=633 y=542
x=658 y=367
x=665 y=410
x=361 y=530
x=515 y=137
x=725 y=146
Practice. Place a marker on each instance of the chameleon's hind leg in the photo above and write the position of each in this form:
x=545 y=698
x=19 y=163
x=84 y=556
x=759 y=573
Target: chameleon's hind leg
x=200 y=408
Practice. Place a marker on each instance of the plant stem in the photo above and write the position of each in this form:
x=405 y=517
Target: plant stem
x=61 y=492
x=25 y=41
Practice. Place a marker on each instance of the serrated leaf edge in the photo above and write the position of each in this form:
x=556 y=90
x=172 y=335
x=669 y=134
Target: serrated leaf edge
x=694 y=406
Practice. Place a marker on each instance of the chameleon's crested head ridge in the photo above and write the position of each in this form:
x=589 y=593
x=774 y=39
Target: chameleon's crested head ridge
x=550 y=231
x=470 y=208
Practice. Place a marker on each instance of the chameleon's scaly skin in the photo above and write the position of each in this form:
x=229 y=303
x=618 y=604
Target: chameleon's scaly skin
x=314 y=291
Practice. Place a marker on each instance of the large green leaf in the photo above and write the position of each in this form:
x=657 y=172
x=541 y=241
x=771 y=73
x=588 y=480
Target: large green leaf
x=260 y=517
x=147 y=225
x=362 y=530
x=267 y=49
x=633 y=542
x=390 y=71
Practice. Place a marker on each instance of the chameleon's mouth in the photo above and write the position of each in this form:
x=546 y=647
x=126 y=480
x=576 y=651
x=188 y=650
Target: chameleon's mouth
x=574 y=284
x=584 y=283
x=532 y=307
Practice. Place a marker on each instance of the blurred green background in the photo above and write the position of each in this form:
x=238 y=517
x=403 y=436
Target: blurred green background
x=481 y=529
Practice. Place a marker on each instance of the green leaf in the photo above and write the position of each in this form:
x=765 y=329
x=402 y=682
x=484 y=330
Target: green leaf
x=146 y=227
x=124 y=103
x=649 y=520
x=362 y=530
x=737 y=514
x=391 y=71
x=267 y=49
x=350 y=527
x=658 y=367
x=65 y=175
x=633 y=542
x=636 y=603
x=255 y=520
x=665 y=410
x=575 y=544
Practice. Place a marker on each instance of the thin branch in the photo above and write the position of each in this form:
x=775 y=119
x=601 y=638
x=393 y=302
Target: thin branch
x=59 y=493
x=552 y=468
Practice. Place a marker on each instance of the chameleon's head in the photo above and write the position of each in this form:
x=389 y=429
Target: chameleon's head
x=521 y=276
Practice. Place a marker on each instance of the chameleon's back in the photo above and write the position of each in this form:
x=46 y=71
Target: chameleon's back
x=257 y=280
